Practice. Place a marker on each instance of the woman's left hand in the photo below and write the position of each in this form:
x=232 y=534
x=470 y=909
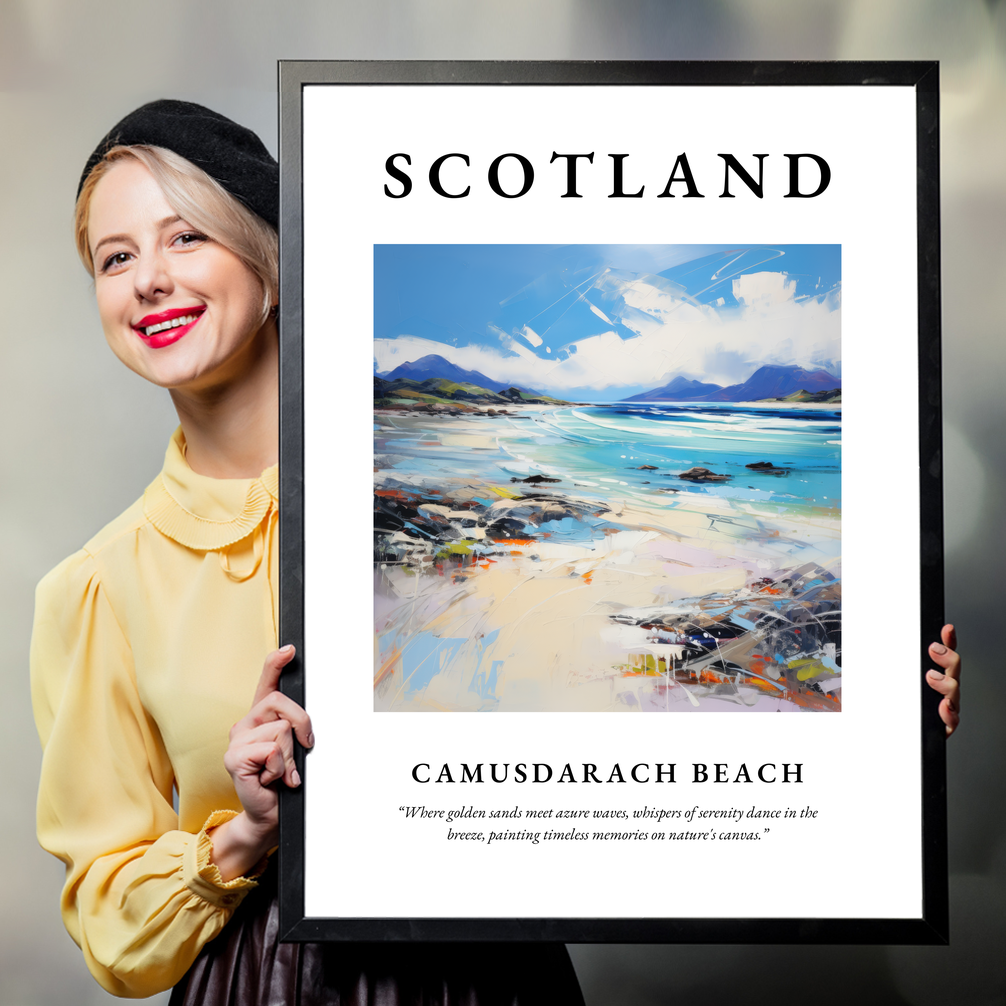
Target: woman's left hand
x=260 y=754
x=948 y=681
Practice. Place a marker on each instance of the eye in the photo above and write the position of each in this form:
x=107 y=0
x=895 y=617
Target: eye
x=115 y=261
x=189 y=239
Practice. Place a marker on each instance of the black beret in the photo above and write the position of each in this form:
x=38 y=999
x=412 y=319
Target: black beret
x=231 y=154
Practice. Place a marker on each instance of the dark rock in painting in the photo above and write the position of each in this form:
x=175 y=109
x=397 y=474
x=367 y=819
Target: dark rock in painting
x=646 y=468
x=535 y=480
x=506 y=527
x=785 y=632
x=702 y=475
x=429 y=520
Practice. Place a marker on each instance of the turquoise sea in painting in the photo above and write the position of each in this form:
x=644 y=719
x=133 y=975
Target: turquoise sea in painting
x=598 y=448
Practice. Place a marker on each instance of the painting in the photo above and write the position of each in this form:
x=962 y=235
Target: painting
x=607 y=478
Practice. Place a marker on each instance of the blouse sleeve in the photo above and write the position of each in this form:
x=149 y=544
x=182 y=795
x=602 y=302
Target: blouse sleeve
x=141 y=898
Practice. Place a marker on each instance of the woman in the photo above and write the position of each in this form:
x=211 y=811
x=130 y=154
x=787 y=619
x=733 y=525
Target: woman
x=148 y=643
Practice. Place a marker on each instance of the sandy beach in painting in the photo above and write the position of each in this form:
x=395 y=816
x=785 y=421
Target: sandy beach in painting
x=509 y=576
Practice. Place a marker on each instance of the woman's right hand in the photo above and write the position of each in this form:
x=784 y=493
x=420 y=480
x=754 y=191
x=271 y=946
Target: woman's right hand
x=260 y=753
x=948 y=681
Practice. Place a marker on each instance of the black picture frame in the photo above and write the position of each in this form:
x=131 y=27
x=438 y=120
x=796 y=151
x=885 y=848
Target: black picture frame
x=932 y=925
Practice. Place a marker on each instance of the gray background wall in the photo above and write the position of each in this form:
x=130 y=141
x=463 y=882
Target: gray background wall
x=81 y=436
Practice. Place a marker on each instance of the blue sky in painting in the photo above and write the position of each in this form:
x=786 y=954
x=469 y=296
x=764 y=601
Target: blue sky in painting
x=606 y=321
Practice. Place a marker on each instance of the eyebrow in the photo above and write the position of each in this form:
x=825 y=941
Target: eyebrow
x=111 y=238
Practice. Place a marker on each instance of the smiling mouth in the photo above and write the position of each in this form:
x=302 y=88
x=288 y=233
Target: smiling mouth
x=167 y=321
x=167 y=327
x=185 y=319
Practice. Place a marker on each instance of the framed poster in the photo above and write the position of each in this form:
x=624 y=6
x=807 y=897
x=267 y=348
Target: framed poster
x=652 y=462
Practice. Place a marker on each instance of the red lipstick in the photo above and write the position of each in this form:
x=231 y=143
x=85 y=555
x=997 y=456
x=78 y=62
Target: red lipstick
x=166 y=327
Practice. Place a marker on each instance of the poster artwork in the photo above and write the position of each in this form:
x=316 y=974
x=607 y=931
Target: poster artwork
x=612 y=473
x=607 y=477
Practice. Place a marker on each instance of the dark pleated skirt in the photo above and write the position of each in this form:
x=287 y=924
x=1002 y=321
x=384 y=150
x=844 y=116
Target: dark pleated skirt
x=246 y=965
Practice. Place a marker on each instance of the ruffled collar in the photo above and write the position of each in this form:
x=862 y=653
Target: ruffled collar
x=203 y=513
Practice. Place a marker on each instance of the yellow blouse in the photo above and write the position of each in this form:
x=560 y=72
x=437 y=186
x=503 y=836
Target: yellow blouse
x=147 y=647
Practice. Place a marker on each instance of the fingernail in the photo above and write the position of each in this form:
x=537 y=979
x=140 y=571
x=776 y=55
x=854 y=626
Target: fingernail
x=938 y=648
x=286 y=649
x=310 y=740
x=936 y=675
x=295 y=777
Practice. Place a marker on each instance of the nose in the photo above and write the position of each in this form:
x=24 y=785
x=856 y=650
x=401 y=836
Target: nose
x=152 y=276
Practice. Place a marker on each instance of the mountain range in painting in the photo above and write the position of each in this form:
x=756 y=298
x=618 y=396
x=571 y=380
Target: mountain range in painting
x=766 y=383
x=433 y=367
x=433 y=376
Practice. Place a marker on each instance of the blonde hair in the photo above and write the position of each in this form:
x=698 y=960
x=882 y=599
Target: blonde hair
x=199 y=200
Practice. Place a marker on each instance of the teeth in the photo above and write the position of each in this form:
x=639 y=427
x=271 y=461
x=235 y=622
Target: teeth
x=174 y=323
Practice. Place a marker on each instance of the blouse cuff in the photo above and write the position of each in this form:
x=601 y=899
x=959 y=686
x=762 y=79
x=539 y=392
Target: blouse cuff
x=202 y=876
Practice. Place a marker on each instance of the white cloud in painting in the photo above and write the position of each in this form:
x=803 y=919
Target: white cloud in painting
x=763 y=290
x=531 y=335
x=673 y=334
